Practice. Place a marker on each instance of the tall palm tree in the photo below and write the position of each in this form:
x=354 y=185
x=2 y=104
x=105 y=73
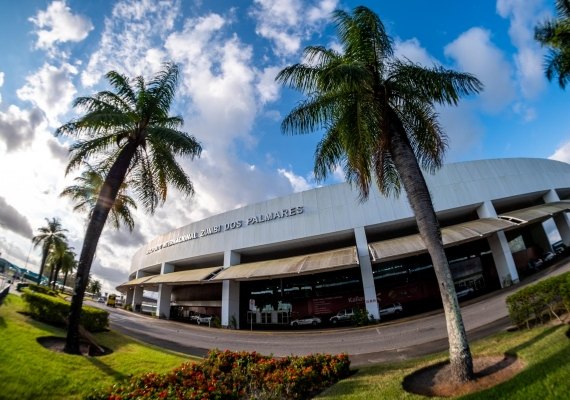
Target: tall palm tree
x=95 y=287
x=130 y=133
x=555 y=34
x=381 y=126
x=85 y=194
x=48 y=236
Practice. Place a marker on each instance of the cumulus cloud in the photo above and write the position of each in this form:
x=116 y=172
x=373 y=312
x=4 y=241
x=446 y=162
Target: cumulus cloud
x=131 y=39
x=524 y=15
x=287 y=22
x=412 y=50
x=562 y=153
x=10 y=218
x=298 y=183
x=57 y=24
x=51 y=89
x=18 y=127
x=475 y=53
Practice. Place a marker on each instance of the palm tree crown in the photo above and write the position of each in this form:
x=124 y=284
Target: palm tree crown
x=129 y=133
x=380 y=125
x=85 y=194
x=48 y=237
x=555 y=34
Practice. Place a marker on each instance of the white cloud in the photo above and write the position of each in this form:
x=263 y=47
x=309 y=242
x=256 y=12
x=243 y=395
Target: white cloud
x=57 y=24
x=298 y=183
x=288 y=22
x=562 y=153
x=267 y=87
x=475 y=53
x=19 y=126
x=130 y=40
x=524 y=15
x=412 y=50
x=51 y=89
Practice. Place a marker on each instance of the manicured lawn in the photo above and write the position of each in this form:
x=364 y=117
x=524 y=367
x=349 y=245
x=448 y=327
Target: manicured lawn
x=29 y=371
x=545 y=351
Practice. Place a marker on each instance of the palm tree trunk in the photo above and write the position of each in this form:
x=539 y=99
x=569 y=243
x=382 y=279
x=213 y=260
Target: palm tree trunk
x=420 y=201
x=56 y=275
x=107 y=196
x=64 y=282
x=42 y=266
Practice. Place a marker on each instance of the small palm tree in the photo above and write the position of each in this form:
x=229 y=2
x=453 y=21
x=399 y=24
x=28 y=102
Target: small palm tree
x=555 y=34
x=95 y=287
x=380 y=125
x=58 y=256
x=48 y=237
x=68 y=265
x=85 y=194
x=129 y=132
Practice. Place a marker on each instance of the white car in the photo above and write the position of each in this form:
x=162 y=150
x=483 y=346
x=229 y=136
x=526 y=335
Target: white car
x=343 y=316
x=204 y=319
x=548 y=256
x=314 y=321
x=391 y=309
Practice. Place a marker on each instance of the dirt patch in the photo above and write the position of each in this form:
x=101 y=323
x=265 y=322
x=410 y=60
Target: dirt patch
x=57 y=344
x=489 y=371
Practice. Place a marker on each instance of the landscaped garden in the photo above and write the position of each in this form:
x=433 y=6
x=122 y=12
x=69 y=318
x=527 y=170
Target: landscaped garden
x=530 y=363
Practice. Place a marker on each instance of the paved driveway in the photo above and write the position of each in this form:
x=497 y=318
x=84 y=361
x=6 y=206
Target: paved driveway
x=400 y=339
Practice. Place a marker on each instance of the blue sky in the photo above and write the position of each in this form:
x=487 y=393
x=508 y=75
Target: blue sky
x=229 y=53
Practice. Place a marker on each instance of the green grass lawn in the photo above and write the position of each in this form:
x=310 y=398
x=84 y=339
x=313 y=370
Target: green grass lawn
x=544 y=350
x=29 y=371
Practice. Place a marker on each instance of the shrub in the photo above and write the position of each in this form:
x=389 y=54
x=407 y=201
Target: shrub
x=237 y=375
x=361 y=317
x=54 y=311
x=539 y=302
x=41 y=289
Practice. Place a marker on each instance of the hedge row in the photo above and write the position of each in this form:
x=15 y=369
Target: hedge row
x=540 y=302
x=237 y=375
x=55 y=310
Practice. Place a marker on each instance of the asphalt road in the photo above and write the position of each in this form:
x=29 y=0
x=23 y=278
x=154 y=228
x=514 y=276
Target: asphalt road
x=388 y=341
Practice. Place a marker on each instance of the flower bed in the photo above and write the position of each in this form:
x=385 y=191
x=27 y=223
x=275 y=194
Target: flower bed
x=237 y=375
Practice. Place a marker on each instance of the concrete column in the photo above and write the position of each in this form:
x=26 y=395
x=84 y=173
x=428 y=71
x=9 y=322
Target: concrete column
x=129 y=297
x=504 y=262
x=230 y=291
x=164 y=292
x=561 y=220
x=366 y=271
x=137 y=297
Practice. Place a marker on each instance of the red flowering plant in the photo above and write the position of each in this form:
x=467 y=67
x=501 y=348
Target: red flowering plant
x=227 y=375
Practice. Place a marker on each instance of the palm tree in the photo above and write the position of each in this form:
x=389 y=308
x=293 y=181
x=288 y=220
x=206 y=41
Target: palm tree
x=130 y=133
x=68 y=265
x=95 y=287
x=48 y=236
x=555 y=34
x=59 y=255
x=85 y=193
x=381 y=126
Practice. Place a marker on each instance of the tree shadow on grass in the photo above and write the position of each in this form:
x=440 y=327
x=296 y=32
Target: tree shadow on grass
x=2 y=323
x=106 y=369
x=532 y=341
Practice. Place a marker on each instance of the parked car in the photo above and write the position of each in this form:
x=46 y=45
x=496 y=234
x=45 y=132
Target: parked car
x=535 y=264
x=466 y=292
x=343 y=316
x=548 y=256
x=314 y=321
x=391 y=309
x=100 y=300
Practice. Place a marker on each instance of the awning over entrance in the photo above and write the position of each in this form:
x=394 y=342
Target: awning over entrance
x=406 y=246
x=184 y=277
x=134 y=282
x=291 y=266
x=536 y=213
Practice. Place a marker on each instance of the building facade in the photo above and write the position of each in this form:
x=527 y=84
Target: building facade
x=323 y=250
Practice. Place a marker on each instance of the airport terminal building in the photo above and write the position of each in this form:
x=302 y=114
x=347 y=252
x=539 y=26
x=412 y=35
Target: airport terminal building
x=322 y=250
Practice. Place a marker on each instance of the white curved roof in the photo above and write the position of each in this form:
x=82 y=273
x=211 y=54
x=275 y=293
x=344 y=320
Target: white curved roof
x=335 y=210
